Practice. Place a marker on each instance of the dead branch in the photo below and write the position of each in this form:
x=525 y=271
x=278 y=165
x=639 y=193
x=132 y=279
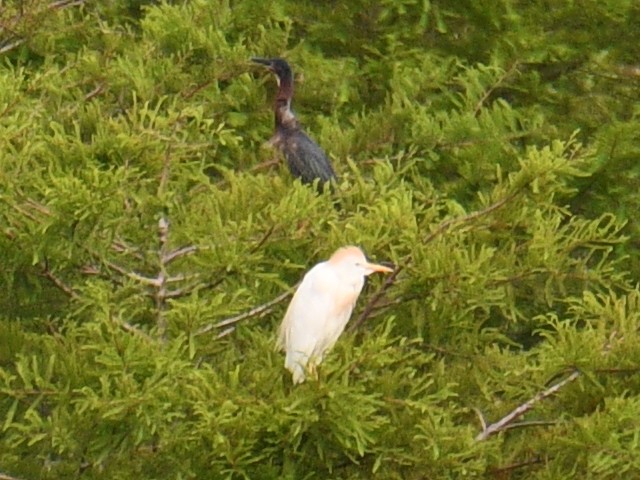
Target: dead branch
x=507 y=421
x=8 y=477
x=225 y=332
x=500 y=471
x=127 y=327
x=66 y=4
x=263 y=240
x=254 y=312
x=376 y=297
x=48 y=274
x=95 y=92
x=8 y=47
x=180 y=252
x=444 y=226
x=265 y=165
x=161 y=287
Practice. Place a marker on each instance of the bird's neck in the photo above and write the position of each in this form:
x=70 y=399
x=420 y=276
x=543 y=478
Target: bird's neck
x=285 y=90
x=284 y=116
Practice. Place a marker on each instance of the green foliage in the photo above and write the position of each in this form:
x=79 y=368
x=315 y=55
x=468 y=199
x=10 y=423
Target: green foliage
x=489 y=150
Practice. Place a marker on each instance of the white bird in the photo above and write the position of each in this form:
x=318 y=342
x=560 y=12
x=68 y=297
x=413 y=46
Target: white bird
x=320 y=309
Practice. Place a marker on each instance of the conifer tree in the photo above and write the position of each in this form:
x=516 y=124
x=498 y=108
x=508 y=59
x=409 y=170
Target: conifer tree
x=150 y=240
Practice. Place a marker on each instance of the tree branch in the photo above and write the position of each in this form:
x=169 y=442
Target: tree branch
x=4 y=476
x=501 y=471
x=493 y=87
x=180 y=252
x=127 y=327
x=48 y=274
x=254 y=312
x=375 y=298
x=439 y=230
x=506 y=422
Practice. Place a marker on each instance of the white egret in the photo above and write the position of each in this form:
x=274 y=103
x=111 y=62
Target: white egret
x=321 y=307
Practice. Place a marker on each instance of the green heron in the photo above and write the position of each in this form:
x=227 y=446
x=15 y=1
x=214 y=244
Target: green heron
x=306 y=160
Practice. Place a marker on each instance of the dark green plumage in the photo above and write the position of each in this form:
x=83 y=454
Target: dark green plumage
x=305 y=158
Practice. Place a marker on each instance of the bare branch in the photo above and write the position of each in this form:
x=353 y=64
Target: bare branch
x=375 y=298
x=446 y=225
x=95 y=92
x=505 y=422
x=121 y=246
x=166 y=165
x=66 y=4
x=254 y=312
x=8 y=477
x=48 y=274
x=161 y=293
x=127 y=327
x=263 y=240
x=501 y=471
x=264 y=165
x=483 y=421
x=181 y=278
x=192 y=91
x=530 y=423
x=154 y=282
x=180 y=252
x=226 y=332
x=8 y=47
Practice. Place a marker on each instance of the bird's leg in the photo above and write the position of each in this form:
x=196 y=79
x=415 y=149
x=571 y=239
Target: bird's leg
x=313 y=370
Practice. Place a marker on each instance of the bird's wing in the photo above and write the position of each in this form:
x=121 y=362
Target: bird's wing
x=316 y=317
x=306 y=159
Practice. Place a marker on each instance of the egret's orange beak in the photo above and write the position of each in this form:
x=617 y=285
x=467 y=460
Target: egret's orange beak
x=374 y=267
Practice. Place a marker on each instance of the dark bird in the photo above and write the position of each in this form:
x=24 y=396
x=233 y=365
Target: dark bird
x=306 y=160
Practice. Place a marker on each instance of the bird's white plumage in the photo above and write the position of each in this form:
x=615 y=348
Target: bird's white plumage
x=321 y=308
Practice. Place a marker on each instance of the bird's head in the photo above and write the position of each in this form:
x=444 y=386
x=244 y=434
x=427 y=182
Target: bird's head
x=352 y=260
x=278 y=66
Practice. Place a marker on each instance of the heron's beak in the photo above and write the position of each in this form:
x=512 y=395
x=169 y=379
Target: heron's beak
x=374 y=267
x=261 y=61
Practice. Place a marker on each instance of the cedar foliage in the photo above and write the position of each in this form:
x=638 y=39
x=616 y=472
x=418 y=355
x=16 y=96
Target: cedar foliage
x=489 y=149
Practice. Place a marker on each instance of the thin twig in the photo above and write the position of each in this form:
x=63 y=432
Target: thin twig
x=121 y=246
x=161 y=292
x=254 y=312
x=8 y=47
x=154 y=282
x=505 y=422
x=375 y=298
x=493 y=87
x=182 y=277
x=514 y=466
x=4 y=476
x=65 y=4
x=127 y=327
x=95 y=92
x=225 y=332
x=483 y=421
x=531 y=423
x=191 y=92
x=265 y=165
x=263 y=240
x=444 y=226
x=48 y=274
x=180 y=252
x=166 y=164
